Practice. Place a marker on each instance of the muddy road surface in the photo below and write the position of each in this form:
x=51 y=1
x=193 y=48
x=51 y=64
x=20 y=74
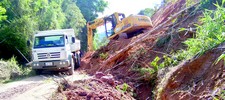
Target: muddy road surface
x=40 y=87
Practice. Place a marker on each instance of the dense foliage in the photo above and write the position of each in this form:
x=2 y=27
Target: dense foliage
x=2 y=12
x=90 y=10
x=209 y=34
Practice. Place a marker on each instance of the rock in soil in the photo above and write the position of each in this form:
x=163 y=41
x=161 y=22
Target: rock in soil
x=94 y=89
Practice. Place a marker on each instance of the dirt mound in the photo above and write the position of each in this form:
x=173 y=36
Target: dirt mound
x=93 y=61
x=195 y=79
x=100 y=87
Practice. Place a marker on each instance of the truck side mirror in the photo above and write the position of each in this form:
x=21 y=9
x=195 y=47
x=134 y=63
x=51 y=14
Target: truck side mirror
x=73 y=39
x=28 y=43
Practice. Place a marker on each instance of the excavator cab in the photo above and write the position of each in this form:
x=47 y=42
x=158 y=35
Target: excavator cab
x=117 y=25
x=111 y=21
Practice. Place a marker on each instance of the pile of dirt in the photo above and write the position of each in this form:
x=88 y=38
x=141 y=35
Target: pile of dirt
x=100 y=87
x=198 y=78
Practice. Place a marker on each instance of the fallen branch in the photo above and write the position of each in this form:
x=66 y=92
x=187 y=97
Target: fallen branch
x=161 y=53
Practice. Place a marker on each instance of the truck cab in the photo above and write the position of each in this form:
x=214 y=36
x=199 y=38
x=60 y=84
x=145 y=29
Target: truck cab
x=55 y=50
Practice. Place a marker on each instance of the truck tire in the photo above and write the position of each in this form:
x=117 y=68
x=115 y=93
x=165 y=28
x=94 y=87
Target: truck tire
x=38 y=71
x=71 y=70
x=77 y=61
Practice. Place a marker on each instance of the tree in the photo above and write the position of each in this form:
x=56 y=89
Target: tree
x=52 y=15
x=18 y=27
x=147 y=11
x=99 y=41
x=2 y=12
x=74 y=17
x=90 y=10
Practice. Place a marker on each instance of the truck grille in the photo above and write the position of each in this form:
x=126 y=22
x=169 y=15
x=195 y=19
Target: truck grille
x=48 y=55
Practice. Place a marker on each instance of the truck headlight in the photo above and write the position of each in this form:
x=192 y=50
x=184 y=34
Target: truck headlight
x=34 y=64
x=37 y=64
x=64 y=62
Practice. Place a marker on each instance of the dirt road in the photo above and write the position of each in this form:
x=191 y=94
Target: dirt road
x=34 y=88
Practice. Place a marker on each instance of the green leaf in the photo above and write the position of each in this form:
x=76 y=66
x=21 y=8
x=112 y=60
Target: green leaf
x=182 y=29
x=222 y=57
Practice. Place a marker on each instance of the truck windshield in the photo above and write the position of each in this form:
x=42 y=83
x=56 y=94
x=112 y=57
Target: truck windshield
x=49 y=41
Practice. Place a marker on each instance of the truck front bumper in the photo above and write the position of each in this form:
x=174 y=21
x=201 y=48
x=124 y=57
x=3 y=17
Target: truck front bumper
x=51 y=64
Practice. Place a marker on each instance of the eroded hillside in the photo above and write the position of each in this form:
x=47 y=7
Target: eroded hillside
x=144 y=67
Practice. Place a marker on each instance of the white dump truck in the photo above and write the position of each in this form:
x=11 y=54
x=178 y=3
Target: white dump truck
x=55 y=50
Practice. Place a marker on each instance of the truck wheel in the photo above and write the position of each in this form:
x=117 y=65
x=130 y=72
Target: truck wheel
x=38 y=71
x=71 y=70
x=77 y=61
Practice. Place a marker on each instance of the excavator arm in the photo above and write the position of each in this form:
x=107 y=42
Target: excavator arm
x=114 y=19
x=90 y=27
x=131 y=26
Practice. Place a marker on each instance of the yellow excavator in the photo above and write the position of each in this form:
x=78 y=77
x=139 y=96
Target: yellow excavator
x=117 y=25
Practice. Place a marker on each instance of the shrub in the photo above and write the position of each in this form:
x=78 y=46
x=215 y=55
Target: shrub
x=11 y=70
x=209 y=34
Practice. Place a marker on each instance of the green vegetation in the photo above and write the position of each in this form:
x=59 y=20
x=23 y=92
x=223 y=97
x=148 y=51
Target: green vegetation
x=10 y=70
x=147 y=74
x=208 y=4
x=155 y=64
x=98 y=42
x=148 y=11
x=24 y=17
x=2 y=12
x=103 y=56
x=144 y=71
x=167 y=61
x=90 y=10
x=209 y=34
x=220 y=95
x=123 y=88
x=167 y=1
x=222 y=57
